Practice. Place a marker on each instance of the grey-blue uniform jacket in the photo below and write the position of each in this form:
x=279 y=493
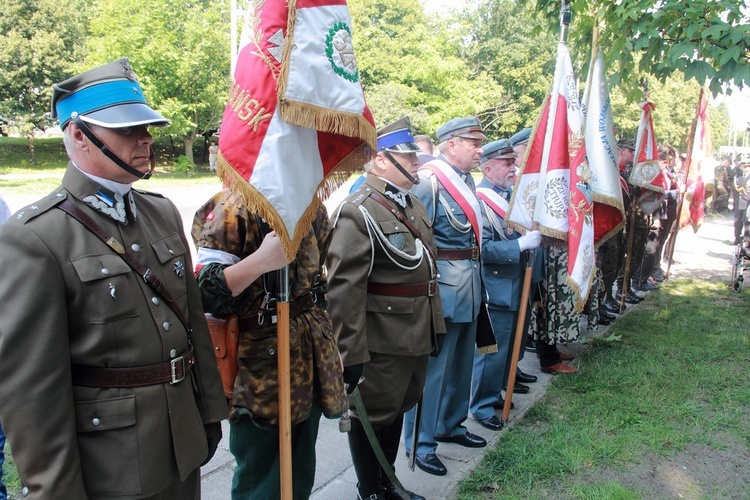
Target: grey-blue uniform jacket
x=460 y=281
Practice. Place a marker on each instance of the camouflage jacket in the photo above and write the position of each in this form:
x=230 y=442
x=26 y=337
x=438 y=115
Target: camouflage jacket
x=225 y=232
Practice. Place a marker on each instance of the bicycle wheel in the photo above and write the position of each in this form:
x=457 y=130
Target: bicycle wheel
x=737 y=278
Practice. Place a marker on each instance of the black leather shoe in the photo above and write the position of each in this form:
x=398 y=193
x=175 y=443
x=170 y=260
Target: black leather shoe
x=499 y=406
x=493 y=423
x=604 y=321
x=467 y=439
x=431 y=464
x=391 y=493
x=604 y=314
x=612 y=306
x=524 y=377
x=647 y=287
x=629 y=299
x=519 y=388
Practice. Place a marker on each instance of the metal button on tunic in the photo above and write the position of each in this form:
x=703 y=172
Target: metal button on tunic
x=155 y=300
x=136 y=247
x=95 y=422
x=173 y=353
x=105 y=271
x=167 y=325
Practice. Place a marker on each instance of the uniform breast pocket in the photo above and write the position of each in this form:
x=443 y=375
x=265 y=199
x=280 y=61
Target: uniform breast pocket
x=107 y=289
x=397 y=233
x=171 y=253
x=108 y=446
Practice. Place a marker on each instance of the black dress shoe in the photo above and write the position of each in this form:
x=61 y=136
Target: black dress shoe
x=390 y=492
x=493 y=423
x=612 y=306
x=606 y=315
x=519 y=388
x=629 y=299
x=467 y=439
x=431 y=464
x=604 y=321
x=499 y=406
x=524 y=378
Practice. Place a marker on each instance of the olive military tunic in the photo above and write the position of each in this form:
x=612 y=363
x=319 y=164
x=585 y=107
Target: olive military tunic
x=67 y=298
x=376 y=329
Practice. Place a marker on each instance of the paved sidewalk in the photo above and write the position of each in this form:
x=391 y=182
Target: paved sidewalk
x=335 y=477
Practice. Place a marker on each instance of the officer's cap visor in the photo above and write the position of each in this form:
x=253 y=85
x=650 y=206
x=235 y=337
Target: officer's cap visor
x=126 y=115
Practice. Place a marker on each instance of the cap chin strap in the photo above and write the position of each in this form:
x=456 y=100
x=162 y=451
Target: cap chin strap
x=109 y=154
x=400 y=168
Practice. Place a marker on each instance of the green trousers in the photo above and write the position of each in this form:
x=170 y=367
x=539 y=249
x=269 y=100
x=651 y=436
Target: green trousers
x=256 y=451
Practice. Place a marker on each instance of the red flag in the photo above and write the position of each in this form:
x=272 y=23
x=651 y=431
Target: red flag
x=296 y=111
x=646 y=171
x=553 y=189
x=699 y=154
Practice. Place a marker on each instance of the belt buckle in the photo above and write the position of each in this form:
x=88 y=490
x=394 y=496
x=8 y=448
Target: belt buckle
x=173 y=364
x=475 y=253
x=431 y=288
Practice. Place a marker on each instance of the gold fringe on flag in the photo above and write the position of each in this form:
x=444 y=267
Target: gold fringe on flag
x=309 y=115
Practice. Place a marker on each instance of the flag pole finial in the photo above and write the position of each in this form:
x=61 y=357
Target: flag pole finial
x=565 y=17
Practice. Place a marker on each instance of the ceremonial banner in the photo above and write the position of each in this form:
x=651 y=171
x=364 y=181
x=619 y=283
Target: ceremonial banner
x=646 y=172
x=699 y=155
x=601 y=151
x=562 y=206
x=295 y=113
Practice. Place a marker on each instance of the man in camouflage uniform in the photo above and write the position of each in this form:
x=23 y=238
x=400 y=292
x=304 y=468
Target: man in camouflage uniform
x=236 y=253
x=385 y=308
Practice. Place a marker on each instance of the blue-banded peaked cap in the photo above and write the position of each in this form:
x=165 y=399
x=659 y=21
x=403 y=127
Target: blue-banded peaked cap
x=397 y=137
x=467 y=127
x=521 y=137
x=109 y=96
x=500 y=149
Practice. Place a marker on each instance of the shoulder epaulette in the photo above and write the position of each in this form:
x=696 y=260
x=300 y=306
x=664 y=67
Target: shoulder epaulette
x=148 y=193
x=37 y=208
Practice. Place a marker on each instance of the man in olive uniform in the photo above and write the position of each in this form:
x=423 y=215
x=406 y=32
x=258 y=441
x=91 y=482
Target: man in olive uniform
x=447 y=190
x=383 y=300
x=109 y=386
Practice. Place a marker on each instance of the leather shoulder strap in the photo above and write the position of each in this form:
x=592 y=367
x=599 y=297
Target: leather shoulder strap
x=146 y=273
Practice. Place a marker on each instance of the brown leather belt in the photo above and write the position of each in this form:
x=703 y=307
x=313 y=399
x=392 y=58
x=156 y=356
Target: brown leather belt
x=296 y=307
x=458 y=253
x=138 y=376
x=428 y=289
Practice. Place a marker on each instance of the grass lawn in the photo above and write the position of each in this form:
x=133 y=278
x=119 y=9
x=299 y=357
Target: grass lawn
x=662 y=413
x=17 y=176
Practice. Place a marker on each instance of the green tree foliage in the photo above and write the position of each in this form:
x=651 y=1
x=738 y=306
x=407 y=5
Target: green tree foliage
x=502 y=44
x=412 y=65
x=706 y=40
x=180 y=51
x=41 y=41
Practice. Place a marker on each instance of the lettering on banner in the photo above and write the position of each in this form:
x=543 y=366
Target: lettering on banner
x=246 y=108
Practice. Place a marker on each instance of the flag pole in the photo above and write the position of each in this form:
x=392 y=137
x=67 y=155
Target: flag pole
x=284 y=385
x=565 y=16
x=520 y=324
x=685 y=173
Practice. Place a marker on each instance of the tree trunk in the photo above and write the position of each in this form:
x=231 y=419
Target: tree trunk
x=189 y=150
x=32 y=155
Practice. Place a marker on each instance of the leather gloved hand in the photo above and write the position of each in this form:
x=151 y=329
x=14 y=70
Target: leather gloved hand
x=352 y=374
x=530 y=240
x=213 y=437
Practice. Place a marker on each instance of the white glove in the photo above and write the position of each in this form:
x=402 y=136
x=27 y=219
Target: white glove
x=530 y=240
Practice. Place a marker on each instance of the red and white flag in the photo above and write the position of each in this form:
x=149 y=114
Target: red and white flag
x=553 y=191
x=296 y=111
x=699 y=156
x=646 y=172
x=601 y=151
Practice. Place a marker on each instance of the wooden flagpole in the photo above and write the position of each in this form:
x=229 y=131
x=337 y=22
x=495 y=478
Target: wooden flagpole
x=284 y=385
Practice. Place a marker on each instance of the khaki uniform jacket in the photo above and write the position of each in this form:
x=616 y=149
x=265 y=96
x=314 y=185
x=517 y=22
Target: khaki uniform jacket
x=366 y=324
x=66 y=297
